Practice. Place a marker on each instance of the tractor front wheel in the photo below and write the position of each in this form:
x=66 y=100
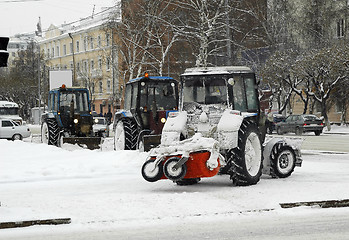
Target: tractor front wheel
x=50 y=132
x=246 y=159
x=125 y=135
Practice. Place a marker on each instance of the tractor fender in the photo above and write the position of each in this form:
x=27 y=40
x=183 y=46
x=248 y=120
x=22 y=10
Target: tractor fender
x=294 y=143
x=228 y=129
x=175 y=125
x=47 y=115
x=119 y=115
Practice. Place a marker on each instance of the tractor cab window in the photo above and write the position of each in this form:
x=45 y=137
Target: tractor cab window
x=74 y=101
x=158 y=96
x=53 y=104
x=128 y=97
x=9 y=111
x=242 y=93
x=205 y=90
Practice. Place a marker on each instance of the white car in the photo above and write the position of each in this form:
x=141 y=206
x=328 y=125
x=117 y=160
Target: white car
x=11 y=130
x=100 y=127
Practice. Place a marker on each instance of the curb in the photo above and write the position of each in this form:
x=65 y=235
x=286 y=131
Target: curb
x=322 y=204
x=19 y=224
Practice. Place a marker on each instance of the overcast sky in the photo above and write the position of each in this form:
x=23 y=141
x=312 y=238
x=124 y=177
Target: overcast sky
x=21 y=16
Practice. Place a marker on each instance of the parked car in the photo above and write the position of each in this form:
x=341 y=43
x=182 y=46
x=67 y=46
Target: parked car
x=300 y=124
x=11 y=130
x=100 y=127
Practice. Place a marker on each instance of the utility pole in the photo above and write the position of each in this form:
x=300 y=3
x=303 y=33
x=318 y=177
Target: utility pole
x=72 y=45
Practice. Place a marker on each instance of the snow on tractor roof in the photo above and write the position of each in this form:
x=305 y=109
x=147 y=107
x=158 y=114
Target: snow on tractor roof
x=217 y=70
x=151 y=78
x=7 y=104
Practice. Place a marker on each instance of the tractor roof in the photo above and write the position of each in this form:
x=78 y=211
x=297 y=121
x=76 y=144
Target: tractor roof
x=156 y=78
x=7 y=104
x=217 y=70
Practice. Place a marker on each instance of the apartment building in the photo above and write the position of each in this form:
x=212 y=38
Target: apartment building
x=87 y=47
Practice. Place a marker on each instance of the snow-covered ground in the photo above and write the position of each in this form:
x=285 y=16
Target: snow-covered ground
x=105 y=188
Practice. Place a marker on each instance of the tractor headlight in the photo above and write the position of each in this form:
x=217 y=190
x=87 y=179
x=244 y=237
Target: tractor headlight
x=163 y=120
x=76 y=120
x=96 y=120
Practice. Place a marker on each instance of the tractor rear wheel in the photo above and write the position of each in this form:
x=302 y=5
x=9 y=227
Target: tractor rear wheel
x=50 y=132
x=126 y=135
x=283 y=161
x=246 y=159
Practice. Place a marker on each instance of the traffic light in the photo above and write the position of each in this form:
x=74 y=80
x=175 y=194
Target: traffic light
x=3 y=51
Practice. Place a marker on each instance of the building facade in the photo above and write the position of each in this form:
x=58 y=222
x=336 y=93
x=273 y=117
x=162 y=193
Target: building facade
x=87 y=48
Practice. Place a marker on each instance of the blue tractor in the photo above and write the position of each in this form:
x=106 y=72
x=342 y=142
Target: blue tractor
x=148 y=102
x=69 y=118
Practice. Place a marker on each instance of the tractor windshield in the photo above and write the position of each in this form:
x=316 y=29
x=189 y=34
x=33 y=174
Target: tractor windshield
x=158 y=95
x=205 y=90
x=9 y=111
x=74 y=99
x=237 y=90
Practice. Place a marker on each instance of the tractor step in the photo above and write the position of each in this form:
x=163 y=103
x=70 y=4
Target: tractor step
x=90 y=142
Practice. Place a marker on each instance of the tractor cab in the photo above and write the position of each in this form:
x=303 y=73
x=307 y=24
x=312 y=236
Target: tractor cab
x=148 y=101
x=69 y=118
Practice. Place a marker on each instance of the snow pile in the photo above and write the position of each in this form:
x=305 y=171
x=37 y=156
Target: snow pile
x=337 y=129
x=28 y=161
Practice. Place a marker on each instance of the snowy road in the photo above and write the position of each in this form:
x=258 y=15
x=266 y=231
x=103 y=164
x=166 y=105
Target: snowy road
x=310 y=224
x=106 y=197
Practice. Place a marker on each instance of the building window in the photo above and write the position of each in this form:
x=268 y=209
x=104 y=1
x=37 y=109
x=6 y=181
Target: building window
x=108 y=63
x=340 y=28
x=108 y=85
x=53 y=52
x=91 y=42
x=85 y=66
x=78 y=67
x=48 y=52
x=107 y=39
x=99 y=43
x=99 y=63
x=85 y=44
x=92 y=64
x=100 y=87
x=339 y=106
x=57 y=51
x=64 y=49
x=71 y=65
x=71 y=47
x=77 y=46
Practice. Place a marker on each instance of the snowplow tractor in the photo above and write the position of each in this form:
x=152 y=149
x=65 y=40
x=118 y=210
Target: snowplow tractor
x=148 y=103
x=68 y=119
x=219 y=128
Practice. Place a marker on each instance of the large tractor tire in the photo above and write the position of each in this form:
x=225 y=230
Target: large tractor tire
x=126 y=135
x=283 y=161
x=50 y=132
x=246 y=158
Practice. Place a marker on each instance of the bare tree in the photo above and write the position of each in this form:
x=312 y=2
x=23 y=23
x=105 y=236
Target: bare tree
x=326 y=68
